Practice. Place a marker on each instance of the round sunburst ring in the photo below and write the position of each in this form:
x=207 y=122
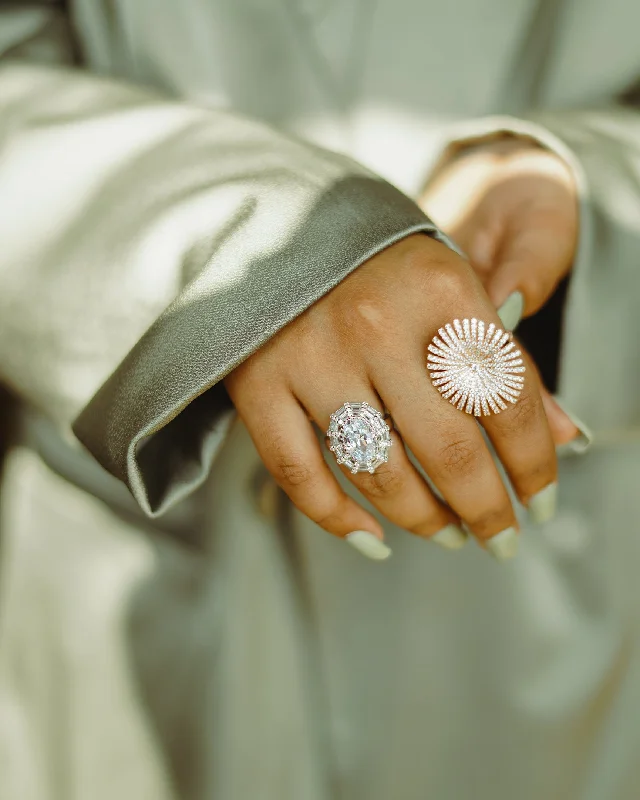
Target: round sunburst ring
x=476 y=367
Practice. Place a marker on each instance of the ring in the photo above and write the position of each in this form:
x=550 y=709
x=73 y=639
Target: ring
x=359 y=437
x=477 y=370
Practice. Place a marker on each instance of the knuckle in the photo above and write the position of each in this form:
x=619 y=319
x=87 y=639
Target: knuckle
x=459 y=458
x=330 y=517
x=524 y=250
x=388 y=479
x=525 y=413
x=292 y=472
x=427 y=525
x=432 y=269
x=418 y=516
x=538 y=286
x=536 y=477
x=449 y=278
x=492 y=520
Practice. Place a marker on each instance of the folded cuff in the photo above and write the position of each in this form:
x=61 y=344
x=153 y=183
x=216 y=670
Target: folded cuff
x=158 y=421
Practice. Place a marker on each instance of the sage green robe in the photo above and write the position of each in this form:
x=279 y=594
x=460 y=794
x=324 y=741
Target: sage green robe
x=178 y=180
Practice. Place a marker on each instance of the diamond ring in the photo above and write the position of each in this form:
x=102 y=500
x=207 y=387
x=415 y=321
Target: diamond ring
x=359 y=437
x=477 y=369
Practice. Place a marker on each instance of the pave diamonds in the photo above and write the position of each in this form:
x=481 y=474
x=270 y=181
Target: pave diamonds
x=478 y=370
x=359 y=437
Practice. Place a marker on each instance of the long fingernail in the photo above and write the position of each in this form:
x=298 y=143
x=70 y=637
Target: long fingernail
x=503 y=545
x=582 y=442
x=542 y=506
x=510 y=312
x=451 y=538
x=369 y=545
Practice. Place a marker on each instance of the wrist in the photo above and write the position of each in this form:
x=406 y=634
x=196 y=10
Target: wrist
x=465 y=175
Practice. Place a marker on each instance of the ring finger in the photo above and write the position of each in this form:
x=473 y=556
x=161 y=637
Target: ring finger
x=450 y=447
x=395 y=488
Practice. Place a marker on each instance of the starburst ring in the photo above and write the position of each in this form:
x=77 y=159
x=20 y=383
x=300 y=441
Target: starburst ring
x=475 y=367
x=359 y=437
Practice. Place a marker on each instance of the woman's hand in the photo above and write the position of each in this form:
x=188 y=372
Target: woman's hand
x=512 y=207
x=366 y=340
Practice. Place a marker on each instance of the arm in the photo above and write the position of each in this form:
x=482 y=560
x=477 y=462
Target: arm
x=149 y=247
x=152 y=248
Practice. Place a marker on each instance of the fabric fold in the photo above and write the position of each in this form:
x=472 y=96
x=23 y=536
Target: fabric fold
x=159 y=420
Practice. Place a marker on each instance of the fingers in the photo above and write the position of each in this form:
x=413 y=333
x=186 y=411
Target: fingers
x=521 y=236
x=536 y=253
x=563 y=428
x=289 y=448
x=450 y=447
x=396 y=488
x=524 y=443
x=368 y=344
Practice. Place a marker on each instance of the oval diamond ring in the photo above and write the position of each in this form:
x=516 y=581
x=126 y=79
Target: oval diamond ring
x=359 y=437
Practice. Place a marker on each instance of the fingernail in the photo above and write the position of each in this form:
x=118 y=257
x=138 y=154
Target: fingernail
x=510 y=312
x=369 y=545
x=451 y=538
x=542 y=506
x=503 y=545
x=582 y=442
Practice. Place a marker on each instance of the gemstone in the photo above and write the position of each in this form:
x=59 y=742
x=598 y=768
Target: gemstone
x=359 y=437
x=476 y=371
x=360 y=441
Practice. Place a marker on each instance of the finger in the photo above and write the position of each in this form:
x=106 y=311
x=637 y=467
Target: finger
x=482 y=240
x=535 y=253
x=563 y=428
x=450 y=447
x=395 y=488
x=289 y=448
x=523 y=441
x=480 y=237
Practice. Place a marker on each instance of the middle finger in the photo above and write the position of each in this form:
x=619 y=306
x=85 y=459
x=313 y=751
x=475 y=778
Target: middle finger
x=451 y=448
x=395 y=488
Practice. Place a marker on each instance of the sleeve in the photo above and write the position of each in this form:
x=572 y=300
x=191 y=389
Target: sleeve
x=148 y=247
x=600 y=354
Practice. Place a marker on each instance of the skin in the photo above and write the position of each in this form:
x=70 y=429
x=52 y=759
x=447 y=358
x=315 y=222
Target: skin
x=366 y=340
x=512 y=207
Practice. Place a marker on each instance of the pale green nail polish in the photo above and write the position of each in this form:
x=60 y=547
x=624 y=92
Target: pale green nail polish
x=542 y=506
x=582 y=442
x=369 y=545
x=510 y=312
x=503 y=545
x=451 y=538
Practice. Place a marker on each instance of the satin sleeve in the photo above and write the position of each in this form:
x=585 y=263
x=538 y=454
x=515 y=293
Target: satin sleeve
x=148 y=247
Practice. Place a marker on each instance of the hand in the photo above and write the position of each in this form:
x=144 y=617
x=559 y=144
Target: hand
x=366 y=341
x=512 y=207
